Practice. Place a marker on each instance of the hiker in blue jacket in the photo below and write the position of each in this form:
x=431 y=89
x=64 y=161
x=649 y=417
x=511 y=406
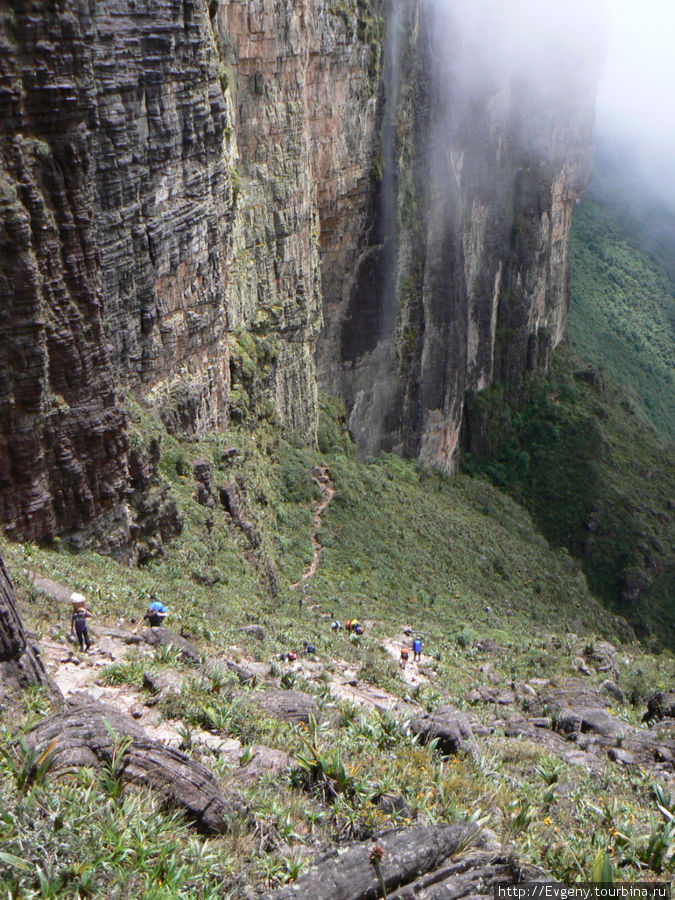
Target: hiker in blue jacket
x=417 y=649
x=156 y=613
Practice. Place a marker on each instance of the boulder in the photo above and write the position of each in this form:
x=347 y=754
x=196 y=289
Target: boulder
x=245 y=675
x=598 y=721
x=347 y=872
x=20 y=663
x=263 y=760
x=602 y=656
x=255 y=631
x=660 y=705
x=86 y=735
x=162 y=685
x=608 y=687
x=449 y=726
x=288 y=706
x=164 y=637
x=486 y=645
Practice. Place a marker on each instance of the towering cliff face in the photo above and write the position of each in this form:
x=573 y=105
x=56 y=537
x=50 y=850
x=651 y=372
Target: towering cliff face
x=490 y=153
x=205 y=204
x=141 y=252
x=63 y=447
x=303 y=79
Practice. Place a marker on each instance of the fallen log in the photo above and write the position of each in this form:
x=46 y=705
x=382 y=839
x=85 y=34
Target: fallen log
x=93 y=735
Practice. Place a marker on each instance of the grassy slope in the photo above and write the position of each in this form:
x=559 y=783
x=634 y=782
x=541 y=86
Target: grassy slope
x=454 y=558
x=596 y=479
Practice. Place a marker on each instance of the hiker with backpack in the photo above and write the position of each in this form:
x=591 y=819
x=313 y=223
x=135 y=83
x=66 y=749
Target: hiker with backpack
x=78 y=626
x=417 y=649
x=404 y=657
x=155 y=614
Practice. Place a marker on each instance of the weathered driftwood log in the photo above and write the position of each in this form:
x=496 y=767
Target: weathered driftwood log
x=79 y=737
x=20 y=665
x=164 y=637
x=347 y=872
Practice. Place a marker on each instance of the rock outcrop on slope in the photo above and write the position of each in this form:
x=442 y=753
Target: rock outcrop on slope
x=20 y=663
x=207 y=205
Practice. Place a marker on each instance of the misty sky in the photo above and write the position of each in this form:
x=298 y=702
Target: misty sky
x=637 y=92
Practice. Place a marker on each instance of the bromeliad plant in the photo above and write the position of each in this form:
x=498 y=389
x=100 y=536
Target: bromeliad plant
x=323 y=770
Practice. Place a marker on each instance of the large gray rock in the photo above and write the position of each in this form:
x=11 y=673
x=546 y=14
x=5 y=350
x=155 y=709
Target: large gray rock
x=580 y=719
x=263 y=760
x=347 y=872
x=164 y=637
x=85 y=735
x=446 y=724
x=289 y=706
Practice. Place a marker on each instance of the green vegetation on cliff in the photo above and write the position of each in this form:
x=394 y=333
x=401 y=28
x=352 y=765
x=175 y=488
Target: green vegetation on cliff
x=596 y=479
x=622 y=312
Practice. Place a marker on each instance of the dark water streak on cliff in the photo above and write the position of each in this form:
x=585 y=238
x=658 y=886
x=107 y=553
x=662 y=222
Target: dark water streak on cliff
x=388 y=223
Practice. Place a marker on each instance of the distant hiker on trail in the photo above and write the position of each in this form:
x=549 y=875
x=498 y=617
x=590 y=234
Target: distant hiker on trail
x=309 y=649
x=404 y=658
x=353 y=626
x=335 y=625
x=417 y=649
x=78 y=625
x=156 y=613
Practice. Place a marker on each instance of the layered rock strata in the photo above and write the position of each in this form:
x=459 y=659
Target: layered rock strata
x=490 y=153
x=142 y=250
x=303 y=79
x=206 y=205
x=63 y=446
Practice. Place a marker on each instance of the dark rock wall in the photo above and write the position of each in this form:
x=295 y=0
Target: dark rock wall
x=492 y=150
x=190 y=212
x=163 y=202
x=20 y=664
x=63 y=447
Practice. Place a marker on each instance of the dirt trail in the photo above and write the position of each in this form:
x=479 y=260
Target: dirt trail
x=411 y=673
x=321 y=478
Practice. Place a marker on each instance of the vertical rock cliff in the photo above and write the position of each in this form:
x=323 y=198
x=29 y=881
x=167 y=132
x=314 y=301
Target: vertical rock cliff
x=63 y=446
x=220 y=207
x=493 y=120
x=303 y=78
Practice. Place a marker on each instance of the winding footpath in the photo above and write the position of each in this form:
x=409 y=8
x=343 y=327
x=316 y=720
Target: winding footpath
x=322 y=479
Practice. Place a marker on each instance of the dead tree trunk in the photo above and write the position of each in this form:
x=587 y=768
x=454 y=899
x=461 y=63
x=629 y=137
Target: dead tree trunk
x=20 y=665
